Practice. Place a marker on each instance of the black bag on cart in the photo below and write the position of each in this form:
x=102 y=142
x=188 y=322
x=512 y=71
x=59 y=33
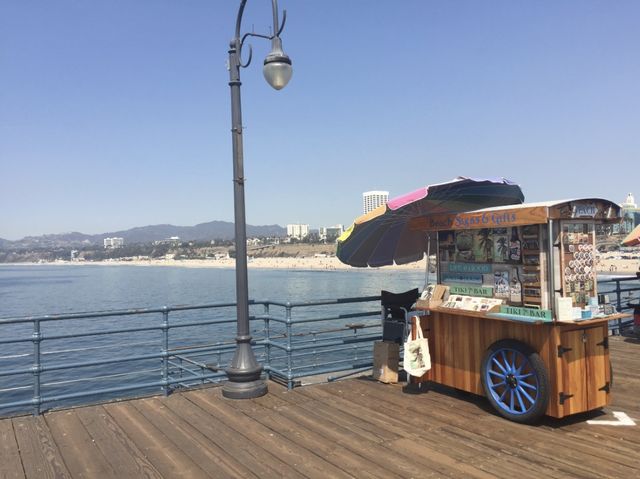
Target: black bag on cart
x=395 y=309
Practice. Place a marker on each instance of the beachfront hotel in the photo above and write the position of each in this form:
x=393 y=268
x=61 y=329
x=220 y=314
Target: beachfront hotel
x=372 y=199
x=630 y=214
x=297 y=231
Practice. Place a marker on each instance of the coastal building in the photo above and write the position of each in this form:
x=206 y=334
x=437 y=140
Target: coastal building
x=113 y=242
x=630 y=214
x=297 y=231
x=329 y=234
x=372 y=199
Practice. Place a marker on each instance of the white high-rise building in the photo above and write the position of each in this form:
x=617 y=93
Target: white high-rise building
x=372 y=199
x=297 y=231
x=113 y=242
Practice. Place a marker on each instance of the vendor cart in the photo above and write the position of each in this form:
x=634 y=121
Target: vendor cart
x=520 y=320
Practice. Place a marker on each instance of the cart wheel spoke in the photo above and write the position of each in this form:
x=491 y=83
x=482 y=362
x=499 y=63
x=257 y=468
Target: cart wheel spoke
x=527 y=385
x=505 y=361
x=497 y=363
x=522 y=407
x=511 y=400
x=504 y=393
x=496 y=373
x=525 y=394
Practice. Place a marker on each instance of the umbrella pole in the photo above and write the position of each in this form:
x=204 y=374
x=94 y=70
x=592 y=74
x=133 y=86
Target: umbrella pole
x=426 y=273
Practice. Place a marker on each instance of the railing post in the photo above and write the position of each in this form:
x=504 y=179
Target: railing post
x=289 y=359
x=267 y=334
x=165 y=350
x=37 y=367
x=619 y=305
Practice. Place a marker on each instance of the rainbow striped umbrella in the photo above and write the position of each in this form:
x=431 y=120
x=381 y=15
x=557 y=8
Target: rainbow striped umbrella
x=383 y=237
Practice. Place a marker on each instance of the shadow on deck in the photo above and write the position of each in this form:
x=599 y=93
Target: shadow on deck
x=353 y=428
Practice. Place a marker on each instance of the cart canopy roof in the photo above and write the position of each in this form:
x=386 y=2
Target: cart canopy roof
x=598 y=209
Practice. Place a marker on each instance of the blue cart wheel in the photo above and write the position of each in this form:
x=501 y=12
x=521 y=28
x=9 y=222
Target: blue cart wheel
x=515 y=381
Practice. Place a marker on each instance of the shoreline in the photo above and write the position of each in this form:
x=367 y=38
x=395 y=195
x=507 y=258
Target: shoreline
x=287 y=263
x=605 y=266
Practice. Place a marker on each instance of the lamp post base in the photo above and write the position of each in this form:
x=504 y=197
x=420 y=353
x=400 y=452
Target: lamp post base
x=244 y=390
x=244 y=373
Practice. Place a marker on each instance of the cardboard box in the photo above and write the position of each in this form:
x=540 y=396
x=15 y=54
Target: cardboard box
x=386 y=357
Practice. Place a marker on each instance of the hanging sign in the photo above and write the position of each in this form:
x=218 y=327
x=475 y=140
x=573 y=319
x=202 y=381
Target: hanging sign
x=584 y=210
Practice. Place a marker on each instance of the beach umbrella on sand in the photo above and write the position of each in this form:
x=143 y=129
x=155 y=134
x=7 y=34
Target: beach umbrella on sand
x=633 y=238
x=383 y=236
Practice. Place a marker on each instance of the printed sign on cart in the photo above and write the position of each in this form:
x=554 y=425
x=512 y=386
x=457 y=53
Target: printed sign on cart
x=469 y=268
x=470 y=290
x=542 y=314
x=464 y=278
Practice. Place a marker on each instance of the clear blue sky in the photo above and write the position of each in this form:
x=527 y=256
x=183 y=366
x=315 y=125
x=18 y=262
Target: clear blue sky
x=115 y=114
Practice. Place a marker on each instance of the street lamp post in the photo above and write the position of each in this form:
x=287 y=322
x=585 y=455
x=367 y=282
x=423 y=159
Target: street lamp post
x=244 y=372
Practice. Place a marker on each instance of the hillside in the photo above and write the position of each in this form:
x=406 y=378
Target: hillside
x=221 y=230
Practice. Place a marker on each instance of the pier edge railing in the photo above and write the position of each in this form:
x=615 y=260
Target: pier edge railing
x=328 y=336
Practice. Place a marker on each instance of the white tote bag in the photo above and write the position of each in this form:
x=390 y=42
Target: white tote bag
x=417 y=360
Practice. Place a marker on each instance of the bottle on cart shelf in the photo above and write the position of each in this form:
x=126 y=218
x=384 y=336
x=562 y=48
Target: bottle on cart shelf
x=515 y=249
x=515 y=288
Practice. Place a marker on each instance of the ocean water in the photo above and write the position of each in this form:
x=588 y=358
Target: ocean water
x=49 y=289
x=55 y=289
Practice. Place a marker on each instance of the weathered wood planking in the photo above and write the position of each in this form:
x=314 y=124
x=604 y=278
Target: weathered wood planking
x=458 y=341
x=353 y=428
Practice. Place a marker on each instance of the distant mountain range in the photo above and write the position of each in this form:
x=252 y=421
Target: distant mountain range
x=222 y=230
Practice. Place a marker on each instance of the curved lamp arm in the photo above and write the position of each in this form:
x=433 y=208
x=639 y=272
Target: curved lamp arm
x=277 y=65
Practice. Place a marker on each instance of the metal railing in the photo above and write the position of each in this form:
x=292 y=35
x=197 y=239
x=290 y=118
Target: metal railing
x=627 y=293
x=66 y=359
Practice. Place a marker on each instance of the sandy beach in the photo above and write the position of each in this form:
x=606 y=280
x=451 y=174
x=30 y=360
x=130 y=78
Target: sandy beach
x=607 y=266
x=313 y=263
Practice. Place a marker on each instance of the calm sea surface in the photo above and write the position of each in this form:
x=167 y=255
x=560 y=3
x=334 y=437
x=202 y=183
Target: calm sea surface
x=54 y=289
x=48 y=289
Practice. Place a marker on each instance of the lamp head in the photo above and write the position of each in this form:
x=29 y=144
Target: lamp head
x=277 y=66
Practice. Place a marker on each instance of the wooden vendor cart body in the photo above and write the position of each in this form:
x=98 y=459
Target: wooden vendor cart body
x=544 y=349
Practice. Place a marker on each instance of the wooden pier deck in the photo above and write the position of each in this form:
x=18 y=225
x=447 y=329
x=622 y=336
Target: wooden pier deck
x=353 y=428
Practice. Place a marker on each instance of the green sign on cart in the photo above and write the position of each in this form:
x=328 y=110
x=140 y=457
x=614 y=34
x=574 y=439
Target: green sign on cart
x=469 y=290
x=541 y=314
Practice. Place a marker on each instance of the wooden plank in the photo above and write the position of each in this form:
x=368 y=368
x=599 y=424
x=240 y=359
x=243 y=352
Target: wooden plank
x=123 y=455
x=253 y=455
x=207 y=454
x=38 y=451
x=10 y=464
x=80 y=453
x=303 y=460
x=330 y=451
x=165 y=455
x=377 y=453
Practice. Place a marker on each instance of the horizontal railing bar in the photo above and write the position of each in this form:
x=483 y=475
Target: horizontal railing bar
x=121 y=312
x=324 y=302
x=159 y=383
x=99 y=378
x=324 y=318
